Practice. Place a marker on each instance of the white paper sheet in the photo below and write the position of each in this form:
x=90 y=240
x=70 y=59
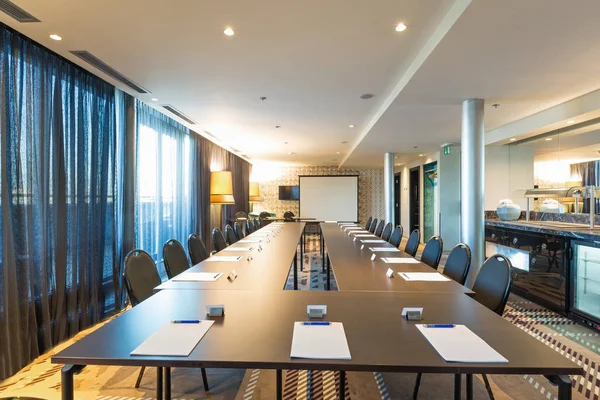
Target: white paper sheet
x=259 y=234
x=320 y=342
x=224 y=258
x=365 y=235
x=362 y=231
x=460 y=344
x=386 y=249
x=249 y=241
x=400 y=260
x=171 y=339
x=423 y=276
x=198 y=277
x=373 y=241
x=238 y=248
x=353 y=228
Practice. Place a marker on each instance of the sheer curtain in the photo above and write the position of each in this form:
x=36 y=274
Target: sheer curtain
x=58 y=149
x=165 y=200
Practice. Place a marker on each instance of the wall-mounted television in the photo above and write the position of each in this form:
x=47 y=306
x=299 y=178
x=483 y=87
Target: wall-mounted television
x=289 y=192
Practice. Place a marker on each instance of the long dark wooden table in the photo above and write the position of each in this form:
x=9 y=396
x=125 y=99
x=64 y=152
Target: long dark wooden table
x=353 y=269
x=267 y=270
x=256 y=332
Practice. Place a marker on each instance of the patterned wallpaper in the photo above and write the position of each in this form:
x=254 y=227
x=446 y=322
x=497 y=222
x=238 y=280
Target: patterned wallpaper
x=370 y=190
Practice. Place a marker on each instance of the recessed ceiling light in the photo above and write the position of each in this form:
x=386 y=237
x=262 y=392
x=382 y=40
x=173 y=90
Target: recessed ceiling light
x=351 y=126
x=367 y=96
x=395 y=156
x=285 y=142
x=345 y=142
x=154 y=99
x=337 y=152
x=401 y=27
x=513 y=139
x=277 y=126
x=420 y=155
x=55 y=37
x=570 y=122
x=228 y=31
x=291 y=153
x=548 y=139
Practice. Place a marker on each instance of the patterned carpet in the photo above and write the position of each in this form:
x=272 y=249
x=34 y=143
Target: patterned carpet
x=42 y=379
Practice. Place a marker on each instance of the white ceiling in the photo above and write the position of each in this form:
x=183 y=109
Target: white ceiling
x=313 y=59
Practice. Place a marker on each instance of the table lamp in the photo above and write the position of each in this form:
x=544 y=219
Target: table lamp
x=254 y=194
x=221 y=188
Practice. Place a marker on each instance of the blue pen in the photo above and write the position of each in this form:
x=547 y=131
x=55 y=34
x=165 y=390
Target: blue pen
x=186 y=321
x=316 y=323
x=439 y=326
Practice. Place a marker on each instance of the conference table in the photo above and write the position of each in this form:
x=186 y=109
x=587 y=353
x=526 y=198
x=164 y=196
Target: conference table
x=256 y=329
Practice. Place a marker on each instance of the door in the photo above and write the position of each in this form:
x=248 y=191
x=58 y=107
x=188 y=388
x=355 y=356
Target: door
x=585 y=281
x=415 y=199
x=397 y=199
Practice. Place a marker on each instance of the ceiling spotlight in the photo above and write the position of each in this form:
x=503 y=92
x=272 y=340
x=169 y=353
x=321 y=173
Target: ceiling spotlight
x=367 y=96
x=277 y=126
x=345 y=142
x=420 y=155
x=495 y=105
x=351 y=126
x=548 y=139
x=513 y=139
x=228 y=31
x=401 y=27
x=395 y=156
x=285 y=142
x=415 y=147
x=570 y=122
x=154 y=99
x=337 y=152
x=262 y=98
x=55 y=37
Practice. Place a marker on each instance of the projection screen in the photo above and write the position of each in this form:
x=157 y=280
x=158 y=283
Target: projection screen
x=329 y=198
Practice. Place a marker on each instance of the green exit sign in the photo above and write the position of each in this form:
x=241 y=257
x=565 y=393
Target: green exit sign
x=447 y=149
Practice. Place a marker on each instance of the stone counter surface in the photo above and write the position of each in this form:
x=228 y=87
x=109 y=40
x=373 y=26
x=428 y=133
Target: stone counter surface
x=572 y=231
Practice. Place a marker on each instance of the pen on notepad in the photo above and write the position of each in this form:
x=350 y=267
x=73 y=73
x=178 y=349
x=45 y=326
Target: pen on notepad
x=439 y=326
x=186 y=321
x=316 y=323
x=216 y=275
x=406 y=276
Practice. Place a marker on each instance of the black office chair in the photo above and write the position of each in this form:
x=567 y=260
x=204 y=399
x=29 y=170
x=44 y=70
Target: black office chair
x=241 y=214
x=432 y=253
x=396 y=237
x=219 y=242
x=174 y=257
x=458 y=263
x=288 y=216
x=373 y=225
x=238 y=230
x=257 y=223
x=387 y=232
x=250 y=226
x=379 y=228
x=196 y=249
x=368 y=224
x=412 y=245
x=263 y=218
x=230 y=237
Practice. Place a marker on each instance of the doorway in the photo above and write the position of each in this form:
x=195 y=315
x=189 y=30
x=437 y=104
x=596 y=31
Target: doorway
x=414 y=199
x=397 y=189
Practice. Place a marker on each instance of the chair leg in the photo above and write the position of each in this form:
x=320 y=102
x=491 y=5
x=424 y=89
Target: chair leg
x=488 y=387
x=417 y=384
x=204 y=379
x=139 y=378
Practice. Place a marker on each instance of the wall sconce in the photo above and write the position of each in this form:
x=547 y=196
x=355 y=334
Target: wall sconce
x=221 y=188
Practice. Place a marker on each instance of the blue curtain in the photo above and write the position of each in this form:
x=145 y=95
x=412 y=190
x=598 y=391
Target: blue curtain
x=59 y=263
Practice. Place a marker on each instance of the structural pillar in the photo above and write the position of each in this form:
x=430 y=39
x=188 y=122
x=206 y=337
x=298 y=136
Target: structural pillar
x=472 y=184
x=388 y=186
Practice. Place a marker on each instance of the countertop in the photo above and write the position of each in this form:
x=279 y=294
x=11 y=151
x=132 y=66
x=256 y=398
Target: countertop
x=573 y=231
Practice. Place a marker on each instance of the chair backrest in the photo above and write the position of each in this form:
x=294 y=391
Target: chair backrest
x=492 y=285
x=263 y=218
x=396 y=237
x=219 y=242
x=174 y=257
x=379 y=228
x=368 y=224
x=412 y=245
x=257 y=223
x=230 y=237
x=196 y=249
x=387 y=231
x=250 y=226
x=140 y=276
x=432 y=253
x=288 y=216
x=241 y=214
x=373 y=225
x=238 y=230
x=458 y=263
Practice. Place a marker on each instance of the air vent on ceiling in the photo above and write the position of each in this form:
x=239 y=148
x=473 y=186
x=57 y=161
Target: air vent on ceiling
x=13 y=10
x=107 y=69
x=181 y=115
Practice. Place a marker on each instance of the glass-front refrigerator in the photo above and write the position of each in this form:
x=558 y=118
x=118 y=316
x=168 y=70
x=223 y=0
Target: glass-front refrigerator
x=585 y=282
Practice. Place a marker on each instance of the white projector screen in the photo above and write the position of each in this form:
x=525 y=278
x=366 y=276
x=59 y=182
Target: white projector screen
x=329 y=198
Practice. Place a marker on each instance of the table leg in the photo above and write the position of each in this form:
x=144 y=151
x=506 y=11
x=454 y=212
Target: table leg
x=342 y=385
x=564 y=385
x=328 y=273
x=279 y=384
x=469 y=386
x=296 y=270
x=457 y=388
x=66 y=374
x=159 y=383
x=167 y=383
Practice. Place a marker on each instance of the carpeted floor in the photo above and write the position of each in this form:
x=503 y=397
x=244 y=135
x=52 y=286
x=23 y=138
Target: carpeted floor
x=42 y=379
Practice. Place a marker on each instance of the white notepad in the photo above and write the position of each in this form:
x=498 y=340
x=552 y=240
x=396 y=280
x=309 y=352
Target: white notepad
x=400 y=260
x=353 y=228
x=224 y=258
x=249 y=241
x=198 y=277
x=386 y=249
x=460 y=344
x=359 y=232
x=259 y=234
x=238 y=248
x=365 y=235
x=320 y=342
x=373 y=241
x=423 y=276
x=175 y=340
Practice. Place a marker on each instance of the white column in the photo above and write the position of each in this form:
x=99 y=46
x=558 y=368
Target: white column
x=472 y=184
x=388 y=186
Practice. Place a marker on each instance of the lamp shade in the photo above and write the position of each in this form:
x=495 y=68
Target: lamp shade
x=221 y=188
x=254 y=192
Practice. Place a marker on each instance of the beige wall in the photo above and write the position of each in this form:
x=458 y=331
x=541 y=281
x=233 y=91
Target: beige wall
x=370 y=188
